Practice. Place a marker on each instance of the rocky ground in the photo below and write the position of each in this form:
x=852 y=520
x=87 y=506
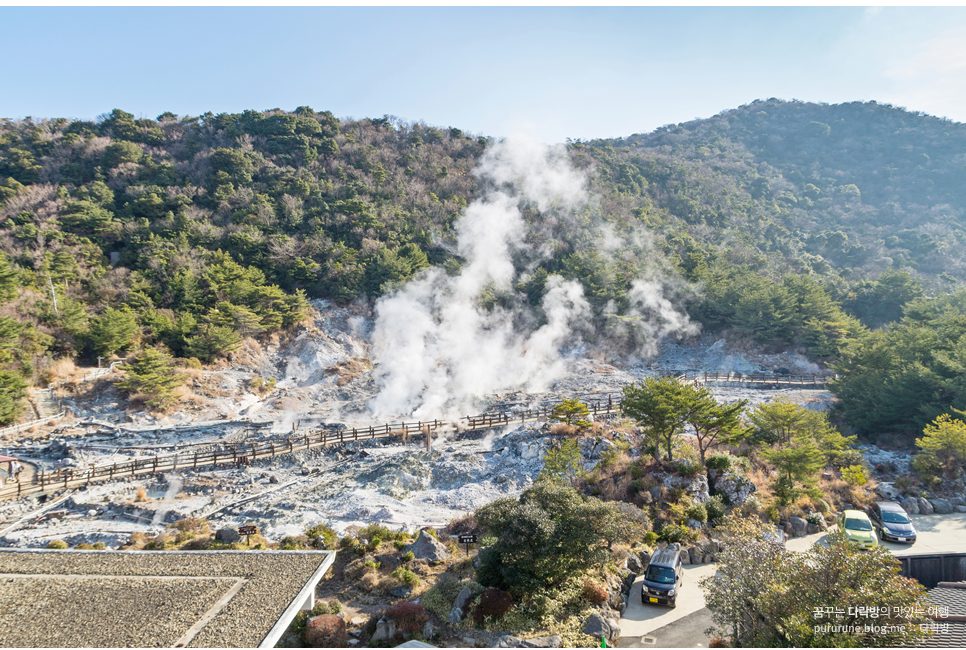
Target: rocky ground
x=324 y=375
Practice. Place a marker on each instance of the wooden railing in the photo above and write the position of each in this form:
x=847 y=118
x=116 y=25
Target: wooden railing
x=242 y=453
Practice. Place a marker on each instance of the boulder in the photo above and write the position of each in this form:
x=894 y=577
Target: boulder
x=655 y=493
x=812 y=529
x=957 y=501
x=693 y=524
x=645 y=557
x=685 y=558
x=736 y=489
x=597 y=626
x=227 y=536
x=799 y=526
x=455 y=616
x=787 y=527
x=385 y=630
x=634 y=563
x=941 y=506
x=959 y=508
x=463 y=599
x=911 y=505
x=402 y=592
x=925 y=508
x=428 y=631
x=426 y=547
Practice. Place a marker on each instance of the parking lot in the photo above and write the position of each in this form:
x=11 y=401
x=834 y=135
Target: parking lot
x=936 y=534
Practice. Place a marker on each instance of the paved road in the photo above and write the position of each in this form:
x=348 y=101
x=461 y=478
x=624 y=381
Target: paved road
x=687 y=632
x=640 y=620
x=937 y=534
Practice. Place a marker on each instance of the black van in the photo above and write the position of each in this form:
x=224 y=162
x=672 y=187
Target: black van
x=662 y=578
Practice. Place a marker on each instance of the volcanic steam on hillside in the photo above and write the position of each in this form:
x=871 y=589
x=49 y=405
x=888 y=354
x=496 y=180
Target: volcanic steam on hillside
x=442 y=339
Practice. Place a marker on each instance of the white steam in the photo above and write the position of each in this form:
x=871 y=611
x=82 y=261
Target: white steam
x=435 y=344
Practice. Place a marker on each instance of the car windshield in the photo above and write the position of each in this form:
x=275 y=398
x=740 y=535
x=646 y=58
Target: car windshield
x=858 y=524
x=660 y=574
x=892 y=517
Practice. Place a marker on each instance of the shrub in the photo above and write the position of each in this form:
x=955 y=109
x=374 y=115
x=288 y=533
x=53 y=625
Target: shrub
x=84 y=547
x=322 y=535
x=57 y=544
x=193 y=363
x=406 y=577
x=855 y=475
x=717 y=642
x=676 y=533
x=198 y=544
x=848 y=457
x=331 y=607
x=687 y=468
x=325 y=631
x=718 y=461
x=463 y=526
x=716 y=508
x=752 y=504
x=409 y=617
x=293 y=543
x=774 y=516
x=372 y=564
x=439 y=599
x=493 y=603
x=698 y=512
x=814 y=518
x=400 y=544
x=594 y=592
x=650 y=538
x=99 y=546
x=822 y=506
x=409 y=556
x=192 y=525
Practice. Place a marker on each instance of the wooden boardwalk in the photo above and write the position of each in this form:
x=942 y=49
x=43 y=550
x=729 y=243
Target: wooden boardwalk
x=243 y=453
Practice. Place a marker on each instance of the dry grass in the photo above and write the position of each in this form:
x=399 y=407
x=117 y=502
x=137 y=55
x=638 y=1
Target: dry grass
x=348 y=370
x=141 y=495
x=563 y=429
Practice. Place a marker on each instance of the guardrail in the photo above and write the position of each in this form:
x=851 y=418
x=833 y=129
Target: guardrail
x=708 y=377
x=26 y=425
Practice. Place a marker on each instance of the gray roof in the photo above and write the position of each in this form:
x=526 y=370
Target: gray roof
x=71 y=599
x=953 y=596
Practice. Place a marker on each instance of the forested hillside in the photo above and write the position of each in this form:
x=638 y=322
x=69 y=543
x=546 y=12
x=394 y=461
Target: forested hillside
x=798 y=224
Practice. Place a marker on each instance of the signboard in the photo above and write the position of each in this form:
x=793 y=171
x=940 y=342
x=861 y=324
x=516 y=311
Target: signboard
x=467 y=539
x=248 y=531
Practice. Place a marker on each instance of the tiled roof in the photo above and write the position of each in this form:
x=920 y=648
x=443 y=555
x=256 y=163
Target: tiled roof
x=946 y=595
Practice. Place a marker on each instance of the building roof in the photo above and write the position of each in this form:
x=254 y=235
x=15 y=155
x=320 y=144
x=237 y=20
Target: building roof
x=953 y=596
x=72 y=599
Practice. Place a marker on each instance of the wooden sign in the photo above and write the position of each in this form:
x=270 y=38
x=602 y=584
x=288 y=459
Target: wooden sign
x=248 y=531
x=467 y=539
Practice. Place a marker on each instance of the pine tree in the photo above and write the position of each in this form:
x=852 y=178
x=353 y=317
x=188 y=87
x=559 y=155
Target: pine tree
x=113 y=331
x=153 y=374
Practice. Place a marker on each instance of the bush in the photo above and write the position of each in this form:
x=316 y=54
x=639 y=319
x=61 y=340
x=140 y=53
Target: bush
x=325 y=631
x=718 y=461
x=192 y=525
x=323 y=536
x=848 y=457
x=409 y=556
x=687 y=468
x=650 y=538
x=294 y=543
x=331 y=607
x=57 y=544
x=698 y=512
x=676 y=533
x=855 y=475
x=716 y=508
x=400 y=544
x=372 y=564
x=409 y=617
x=822 y=506
x=406 y=577
x=99 y=546
x=439 y=599
x=752 y=504
x=84 y=547
x=814 y=518
x=493 y=603
x=594 y=592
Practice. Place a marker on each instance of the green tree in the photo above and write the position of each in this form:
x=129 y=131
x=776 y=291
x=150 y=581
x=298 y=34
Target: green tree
x=552 y=533
x=562 y=462
x=715 y=423
x=118 y=153
x=13 y=391
x=9 y=279
x=944 y=444
x=571 y=411
x=757 y=596
x=153 y=374
x=113 y=331
x=661 y=407
x=797 y=467
x=211 y=341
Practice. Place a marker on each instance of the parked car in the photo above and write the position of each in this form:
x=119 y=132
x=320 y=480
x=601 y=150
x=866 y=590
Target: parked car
x=858 y=528
x=892 y=522
x=662 y=578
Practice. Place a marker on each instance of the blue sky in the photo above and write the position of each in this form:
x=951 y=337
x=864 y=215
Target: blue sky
x=552 y=72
